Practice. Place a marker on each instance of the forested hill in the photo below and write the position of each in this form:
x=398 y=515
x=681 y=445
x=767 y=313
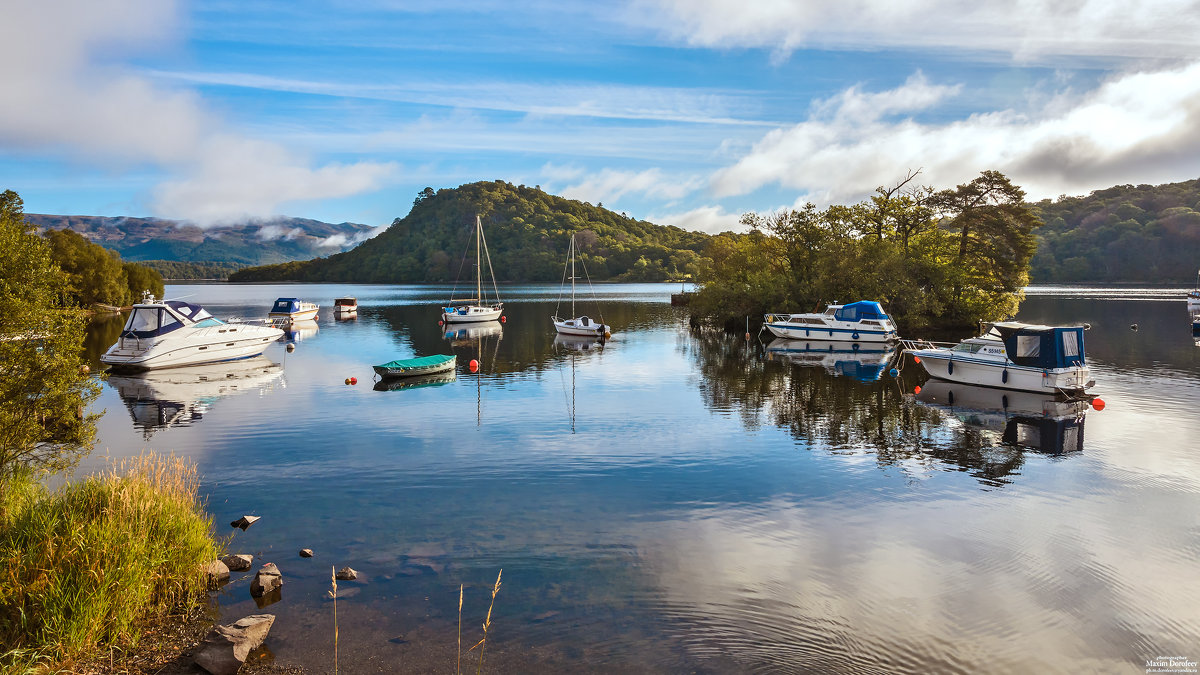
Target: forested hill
x=1144 y=233
x=527 y=234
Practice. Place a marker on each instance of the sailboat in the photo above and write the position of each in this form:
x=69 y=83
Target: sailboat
x=476 y=308
x=579 y=325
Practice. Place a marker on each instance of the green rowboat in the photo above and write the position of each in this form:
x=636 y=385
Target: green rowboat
x=425 y=365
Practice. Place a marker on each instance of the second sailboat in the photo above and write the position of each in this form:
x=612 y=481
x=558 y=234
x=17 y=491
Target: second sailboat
x=476 y=308
x=578 y=325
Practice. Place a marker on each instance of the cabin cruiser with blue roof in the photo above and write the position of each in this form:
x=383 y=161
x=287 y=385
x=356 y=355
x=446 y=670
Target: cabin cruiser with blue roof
x=863 y=321
x=174 y=333
x=291 y=310
x=1012 y=355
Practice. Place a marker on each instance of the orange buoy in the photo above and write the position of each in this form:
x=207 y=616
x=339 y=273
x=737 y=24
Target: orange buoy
x=917 y=389
x=473 y=365
x=354 y=380
x=917 y=359
x=1098 y=403
x=504 y=319
x=347 y=380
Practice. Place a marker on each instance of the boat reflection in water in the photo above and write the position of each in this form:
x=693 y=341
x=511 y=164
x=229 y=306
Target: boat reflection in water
x=462 y=334
x=299 y=330
x=863 y=361
x=434 y=380
x=180 y=396
x=1039 y=422
x=578 y=343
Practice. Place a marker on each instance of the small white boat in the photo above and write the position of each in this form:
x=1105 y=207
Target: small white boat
x=174 y=333
x=1011 y=355
x=290 y=310
x=579 y=325
x=865 y=362
x=478 y=308
x=863 y=321
x=345 y=308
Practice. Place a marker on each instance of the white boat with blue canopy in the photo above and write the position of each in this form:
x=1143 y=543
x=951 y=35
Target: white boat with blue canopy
x=863 y=321
x=1011 y=355
x=175 y=333
x=291 y=310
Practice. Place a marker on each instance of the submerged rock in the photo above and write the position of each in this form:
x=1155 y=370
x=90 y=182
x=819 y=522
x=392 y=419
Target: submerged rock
x=346 y=574
x=306 y=553
x=238 y=562
x=245 y=521
x=225 y=648
x=266 y=580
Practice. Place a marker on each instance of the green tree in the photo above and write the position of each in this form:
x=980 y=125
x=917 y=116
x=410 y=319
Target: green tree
x=43 y=392
x=141 y=279
x=94 y=274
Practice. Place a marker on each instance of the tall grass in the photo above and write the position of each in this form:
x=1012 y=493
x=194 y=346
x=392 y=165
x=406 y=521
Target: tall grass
x=87 y=566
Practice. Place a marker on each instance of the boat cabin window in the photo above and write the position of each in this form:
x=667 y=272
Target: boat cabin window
x=282 y=306
x=1029 y=346
x=969 y=347
x=210 y=321
x=142 y=320
x=1070 y=343
x=170 y=322
x=583 y=321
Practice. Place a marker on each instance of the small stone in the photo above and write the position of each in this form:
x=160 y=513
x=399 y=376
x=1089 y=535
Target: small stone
x=225 y=648
x=346 y=574
x=245 y=521
x=238 y=562
x=306 y=553
x=217 y=572
x=266 y=580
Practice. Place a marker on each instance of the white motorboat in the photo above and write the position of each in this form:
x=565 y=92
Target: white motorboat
x=1011 y=355
x=863 y=321
x=174 y=333
x=291 y=310
x=1043 y=422
x=579 y=325
x=345 y=308
x=478 y=308
x=865 y=361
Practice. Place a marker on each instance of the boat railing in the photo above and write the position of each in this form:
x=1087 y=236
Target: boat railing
x=916 y=343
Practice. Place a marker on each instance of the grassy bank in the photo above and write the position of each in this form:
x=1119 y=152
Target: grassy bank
x=92 y=564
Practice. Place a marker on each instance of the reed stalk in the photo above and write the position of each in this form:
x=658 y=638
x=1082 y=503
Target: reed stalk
x=487 y=624
x=333 y=594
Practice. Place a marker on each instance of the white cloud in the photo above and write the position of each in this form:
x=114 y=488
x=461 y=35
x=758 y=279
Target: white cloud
x=62 y=98
x=710 y=219
x=343 y=241
x=609 y=185
x=1140 y=127
x=1025 y=29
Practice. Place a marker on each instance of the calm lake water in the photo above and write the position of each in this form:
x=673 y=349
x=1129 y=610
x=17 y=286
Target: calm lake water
x=676 y=502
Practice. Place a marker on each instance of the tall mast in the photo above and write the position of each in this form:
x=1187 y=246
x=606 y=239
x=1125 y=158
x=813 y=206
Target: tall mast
x=572 y=275
x=478 y=263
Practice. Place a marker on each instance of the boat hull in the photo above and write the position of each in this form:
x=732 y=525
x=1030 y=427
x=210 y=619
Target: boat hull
x=403 y=371
x=473 y=315
x=944 y=365
x=834 y=333
x=293 y=317
x=129 y=354
x=572 y=327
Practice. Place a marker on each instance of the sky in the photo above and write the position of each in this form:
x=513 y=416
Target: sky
x=680 y=112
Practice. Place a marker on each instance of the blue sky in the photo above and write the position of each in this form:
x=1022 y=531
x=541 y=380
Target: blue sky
x=685 y=112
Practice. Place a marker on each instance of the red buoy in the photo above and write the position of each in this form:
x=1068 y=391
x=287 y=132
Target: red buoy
x=504 y=319
x=473 y=365
x=440 y=322
x=917 y=389
x=354 y=380
x=1098 y=403
x=917 y=359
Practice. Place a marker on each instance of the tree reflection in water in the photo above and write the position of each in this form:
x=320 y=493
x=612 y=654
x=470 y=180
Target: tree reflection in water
x=843 y=415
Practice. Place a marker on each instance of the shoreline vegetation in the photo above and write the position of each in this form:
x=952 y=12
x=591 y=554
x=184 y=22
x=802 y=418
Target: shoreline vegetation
x=936 y=259
x=90 y=566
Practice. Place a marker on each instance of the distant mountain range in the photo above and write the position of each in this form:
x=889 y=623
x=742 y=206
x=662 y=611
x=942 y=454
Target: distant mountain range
x=254 y=243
